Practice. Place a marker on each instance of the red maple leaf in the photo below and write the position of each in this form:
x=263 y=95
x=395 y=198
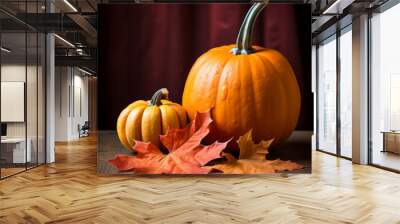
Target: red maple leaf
x=186 y=153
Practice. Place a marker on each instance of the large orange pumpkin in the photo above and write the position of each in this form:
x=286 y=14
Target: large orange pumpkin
x=247 y=87
x=147 y=120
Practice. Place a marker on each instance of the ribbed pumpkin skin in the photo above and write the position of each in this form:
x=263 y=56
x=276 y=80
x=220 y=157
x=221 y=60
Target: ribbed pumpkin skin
x=144 y=122
x=257 y=91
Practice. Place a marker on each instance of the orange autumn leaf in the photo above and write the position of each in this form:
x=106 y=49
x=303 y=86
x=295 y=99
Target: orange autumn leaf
x=252 y=159
x=186 y=153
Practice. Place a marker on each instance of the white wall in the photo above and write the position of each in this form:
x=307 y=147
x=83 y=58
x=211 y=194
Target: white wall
x=80 y=110
x=62 y=82
x=33 y=127
x=10 y=73
x=15 y=72
x=71 y=102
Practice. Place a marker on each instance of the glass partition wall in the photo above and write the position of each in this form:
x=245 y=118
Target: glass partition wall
x=13 y=89
x=22 y=98
x=334 y=83
x=334 y=105
x=385 y=89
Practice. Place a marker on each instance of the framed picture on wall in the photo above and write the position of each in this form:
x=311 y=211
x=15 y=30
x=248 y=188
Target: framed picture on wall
x=188 y=89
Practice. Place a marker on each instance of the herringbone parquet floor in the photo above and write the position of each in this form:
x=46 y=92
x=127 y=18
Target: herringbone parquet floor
x=70 y=191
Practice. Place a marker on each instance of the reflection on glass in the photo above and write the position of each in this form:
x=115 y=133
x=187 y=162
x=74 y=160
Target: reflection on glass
x=385 y=103
x=327 y=97
x=31 y=100
x=346 y=94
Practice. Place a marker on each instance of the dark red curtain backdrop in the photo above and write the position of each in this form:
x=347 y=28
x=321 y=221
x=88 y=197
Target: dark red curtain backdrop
x=144 y=47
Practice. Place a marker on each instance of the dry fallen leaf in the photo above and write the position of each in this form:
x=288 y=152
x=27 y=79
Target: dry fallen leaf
x=186 y=154
x=252 y=159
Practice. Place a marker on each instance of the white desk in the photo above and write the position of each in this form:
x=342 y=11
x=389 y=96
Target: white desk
x=18 y=150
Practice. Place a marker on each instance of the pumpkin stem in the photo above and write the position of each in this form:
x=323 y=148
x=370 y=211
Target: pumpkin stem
x=244 y=39
x=158 y=96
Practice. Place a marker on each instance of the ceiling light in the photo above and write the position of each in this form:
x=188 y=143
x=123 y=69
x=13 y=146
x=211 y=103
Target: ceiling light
x=80 y=51
x=70 y=5
x=65 y=41
x=5 y=50
x=84 y=71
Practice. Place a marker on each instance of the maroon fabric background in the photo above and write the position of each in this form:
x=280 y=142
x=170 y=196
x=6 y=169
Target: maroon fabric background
x=144 y=47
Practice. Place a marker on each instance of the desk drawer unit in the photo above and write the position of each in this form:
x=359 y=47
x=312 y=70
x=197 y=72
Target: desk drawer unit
x=391 y=142
x=13 y=152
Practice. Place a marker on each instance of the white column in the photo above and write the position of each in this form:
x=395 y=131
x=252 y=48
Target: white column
x=50 y=99
x=50 y=92
x=360 y=90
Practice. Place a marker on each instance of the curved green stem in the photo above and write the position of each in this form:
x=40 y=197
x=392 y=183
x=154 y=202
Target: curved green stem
x=244 y=39
x=158 y=96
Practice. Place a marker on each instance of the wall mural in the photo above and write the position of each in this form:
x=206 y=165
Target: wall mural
x=204 y=89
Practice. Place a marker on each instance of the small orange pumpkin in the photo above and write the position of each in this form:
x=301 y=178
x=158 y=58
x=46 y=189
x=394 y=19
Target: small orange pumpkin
x=147 y=120
x=247 y=87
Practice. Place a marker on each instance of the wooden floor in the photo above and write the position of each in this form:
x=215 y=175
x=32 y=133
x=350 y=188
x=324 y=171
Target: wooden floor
x=387 y=159
x=10 y=171
x=70 y=191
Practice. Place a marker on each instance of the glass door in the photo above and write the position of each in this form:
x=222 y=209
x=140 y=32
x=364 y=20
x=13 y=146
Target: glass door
x=334 y=94
x=345 y=93
x=326 y=102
